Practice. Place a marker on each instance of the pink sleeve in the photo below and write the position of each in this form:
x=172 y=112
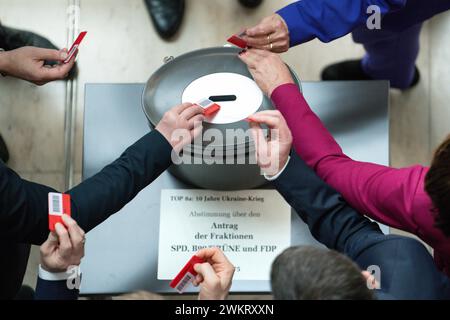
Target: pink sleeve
x=382 y=193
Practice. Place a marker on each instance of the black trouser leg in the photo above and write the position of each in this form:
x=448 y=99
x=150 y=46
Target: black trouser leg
x=12 y=268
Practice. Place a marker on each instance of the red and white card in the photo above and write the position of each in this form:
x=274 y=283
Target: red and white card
x=58 y=204
x=236 y=39
x=74 y=47
x=186 y=275
x=210 y=108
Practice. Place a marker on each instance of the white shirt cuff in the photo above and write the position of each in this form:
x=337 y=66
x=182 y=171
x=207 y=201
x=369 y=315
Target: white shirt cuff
x=57 y=276
x=275 y=177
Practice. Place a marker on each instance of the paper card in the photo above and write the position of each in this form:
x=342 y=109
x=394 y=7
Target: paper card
x=186 y=275
x=58 y=204
x=251 y=226
x=75 y=46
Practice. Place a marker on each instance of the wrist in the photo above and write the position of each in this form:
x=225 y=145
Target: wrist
x=280 y=17
x=283 y=163
x=281 y=167
x=50 y=269
x=165 y=134
x=279 y=92
x=279 y=85
x=4 y=58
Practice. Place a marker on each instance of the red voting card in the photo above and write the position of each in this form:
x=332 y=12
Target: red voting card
x=75 y=46
x=210 y=108
x=238 y=41
x=58 y=204
x=186 y=275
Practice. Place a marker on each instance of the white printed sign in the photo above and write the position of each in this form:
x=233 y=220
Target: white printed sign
x=251 y=226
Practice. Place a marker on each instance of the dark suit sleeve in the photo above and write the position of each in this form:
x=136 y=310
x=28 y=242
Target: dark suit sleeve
x=102 y=195
x=331 y=220
x=54 y=290
x=24 y=207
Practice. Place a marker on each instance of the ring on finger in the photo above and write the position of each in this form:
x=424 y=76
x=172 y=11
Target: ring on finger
x=268 y=39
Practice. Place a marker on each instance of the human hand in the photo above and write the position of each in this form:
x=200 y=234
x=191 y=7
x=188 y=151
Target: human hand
x=28 y=63
x=214 y=276
x=267 y=69
x=272 y=153
x=271 y=34
x=64 y=247
x=181 y=124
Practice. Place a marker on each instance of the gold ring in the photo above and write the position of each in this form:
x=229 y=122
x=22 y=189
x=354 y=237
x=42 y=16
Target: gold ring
x=271 y=46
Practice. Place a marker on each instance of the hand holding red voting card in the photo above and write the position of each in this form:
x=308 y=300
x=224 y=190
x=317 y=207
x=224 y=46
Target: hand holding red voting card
x=74 y=47
x=58 y=204
x=186 y=275
x=238 y=41
x=210 y=107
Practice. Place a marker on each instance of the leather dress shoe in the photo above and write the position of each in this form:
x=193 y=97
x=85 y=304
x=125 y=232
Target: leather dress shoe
x=166 y=15
x=352 y=70
x=4 y=154
x=250 y=3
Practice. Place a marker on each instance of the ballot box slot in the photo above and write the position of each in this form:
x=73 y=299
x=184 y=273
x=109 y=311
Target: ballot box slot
x=223 y=98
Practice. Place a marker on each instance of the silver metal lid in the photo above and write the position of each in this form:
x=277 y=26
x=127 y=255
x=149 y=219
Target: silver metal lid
x=221 y=73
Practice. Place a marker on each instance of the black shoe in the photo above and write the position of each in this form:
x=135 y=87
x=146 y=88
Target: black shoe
x=11 y=39
x=166 y=15
x=346 y=70
x=4 y=154
x=250 y=3
x=416 y=78
x=352 y=70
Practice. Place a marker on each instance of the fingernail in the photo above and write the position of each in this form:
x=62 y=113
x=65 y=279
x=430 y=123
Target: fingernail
x=53 y=236
x=63 y=55
x=59 y=226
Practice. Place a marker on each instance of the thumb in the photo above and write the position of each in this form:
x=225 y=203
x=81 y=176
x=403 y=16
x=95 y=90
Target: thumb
x=51 y=242
x=50 y=54
x=206 y=271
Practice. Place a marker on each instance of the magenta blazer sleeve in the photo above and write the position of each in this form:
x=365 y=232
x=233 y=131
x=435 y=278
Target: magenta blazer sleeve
x=395 y=197
x=382 y=193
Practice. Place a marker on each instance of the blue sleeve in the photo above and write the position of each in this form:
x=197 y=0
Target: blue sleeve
x=54 y=290
x=329 y=19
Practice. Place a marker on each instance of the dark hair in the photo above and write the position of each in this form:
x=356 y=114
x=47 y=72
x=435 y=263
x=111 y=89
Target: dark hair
x=437 y=185
x=310 y=273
